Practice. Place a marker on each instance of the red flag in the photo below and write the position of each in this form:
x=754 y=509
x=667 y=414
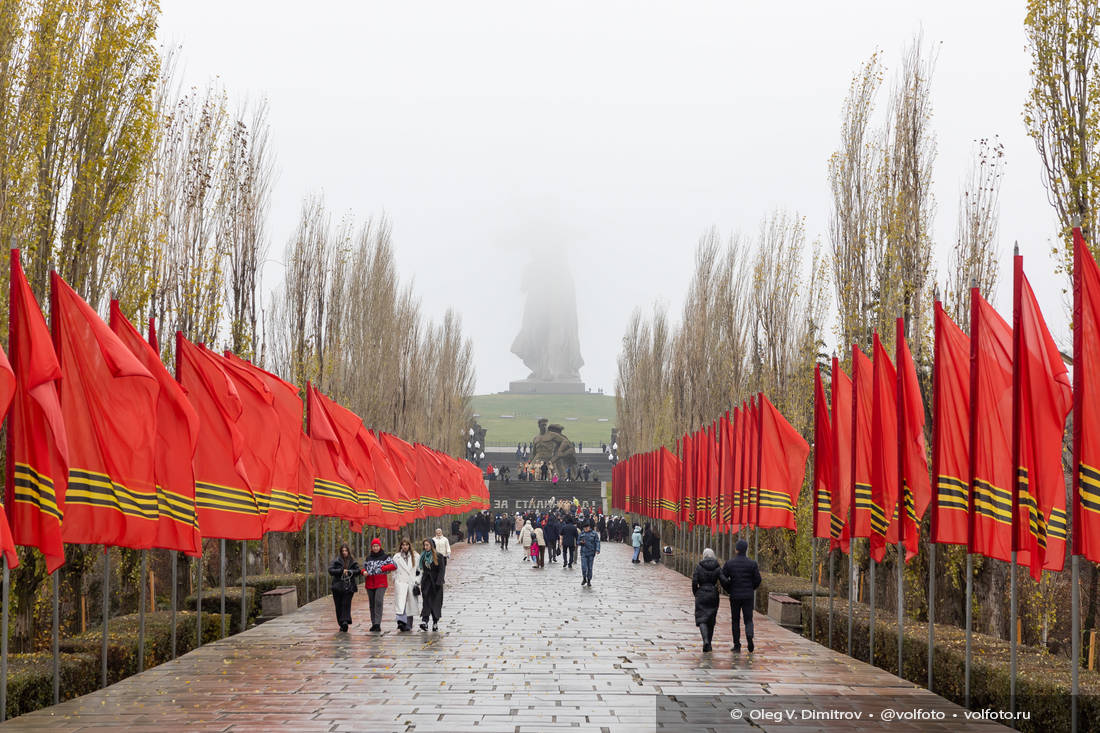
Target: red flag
x=1086 y=401
x=737 y=474
x=713 y=477
x=782 y=467
x=823 y=459
x=669 y=486
x=7 y=391
x=991 y=475
x=335 y=487
x=687 y=480
x=842 y=457
x=1043 y=399
x=725 y=471
x=951 y=422
x=404 y=463
x=271 y=394
x=859 y=524
x=396 y=510
x=915 y=485
x=752 y=510
x=38 y=451
x=223 y=495
x=108 y=401
x=884 y=452
x=177 y=427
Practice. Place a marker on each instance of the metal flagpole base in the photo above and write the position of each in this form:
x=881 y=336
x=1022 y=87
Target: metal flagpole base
x=55 y=642
x=969 y=614
x=1075 y=645
x=4 y=601
x=832 y=593
x=106 y=612
x=175 y=585
x=813 y=588
x=141 y=610
x=244 y=582
x=851 y=589
x=1014 y=641
x=931 y=609
x=871 y=637
x=901 y=606
x=198 y=601
x=221 y=581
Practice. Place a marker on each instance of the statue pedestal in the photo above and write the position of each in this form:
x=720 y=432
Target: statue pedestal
x=536 y=386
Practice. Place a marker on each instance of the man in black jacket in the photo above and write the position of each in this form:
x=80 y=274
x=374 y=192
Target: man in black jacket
x=569 y=536
x=742 y=580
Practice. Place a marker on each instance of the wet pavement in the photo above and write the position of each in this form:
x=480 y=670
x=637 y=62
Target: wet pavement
x=519 y=649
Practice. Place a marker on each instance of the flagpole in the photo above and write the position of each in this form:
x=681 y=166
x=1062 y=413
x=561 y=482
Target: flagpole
x=969 y=602
x=931 y=608
x=305 y=568
x=901 y=602
x=141 y=609
x=198 y=601
x=899 y=340
x=4 y=641
x=175 y=583
x=871 y=639
x=54 y=642
x=221 y=583
x=813 y=586
x=244 y=582
x=106 y=613
x=832 y=592
x=1075 y=645
x=1017 y=279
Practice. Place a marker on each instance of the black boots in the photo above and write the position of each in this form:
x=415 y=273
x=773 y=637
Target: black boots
x=750 y=645
x=705 y=632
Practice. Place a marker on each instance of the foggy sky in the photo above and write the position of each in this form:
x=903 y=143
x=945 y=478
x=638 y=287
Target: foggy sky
x=619 y=131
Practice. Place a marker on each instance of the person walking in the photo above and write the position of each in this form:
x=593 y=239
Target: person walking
x=443 y=547
x=540 y=544
x=569 y=535
x=404 y=581
x=471 y=528
x=526 y=536
x=345 y=584
x=431 y=587
x=504 y=531
x=704 y=586
x=375 y=567
x=636 y=542
x=742 y=580
x=552 y=533
x=589 y=541
x=654 y=544
x=518 y=524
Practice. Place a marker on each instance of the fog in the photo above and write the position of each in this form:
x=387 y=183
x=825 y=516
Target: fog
x=616 y=132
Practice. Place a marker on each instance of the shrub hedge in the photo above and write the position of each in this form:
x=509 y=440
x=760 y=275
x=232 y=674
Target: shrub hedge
x=30 y=679
x=1042 y=679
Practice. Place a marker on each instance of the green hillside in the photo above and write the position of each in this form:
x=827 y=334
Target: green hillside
x=580 y=414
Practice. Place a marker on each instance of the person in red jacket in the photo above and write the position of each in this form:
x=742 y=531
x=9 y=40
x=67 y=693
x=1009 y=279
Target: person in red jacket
x=377 y=564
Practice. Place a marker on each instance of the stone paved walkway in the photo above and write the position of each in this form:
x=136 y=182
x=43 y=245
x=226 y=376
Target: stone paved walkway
x=518 y=650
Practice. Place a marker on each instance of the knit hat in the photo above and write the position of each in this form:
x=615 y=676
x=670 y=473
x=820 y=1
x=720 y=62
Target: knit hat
x=376 y=541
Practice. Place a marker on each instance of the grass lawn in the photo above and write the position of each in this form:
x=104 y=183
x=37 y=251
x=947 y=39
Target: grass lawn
x=587 y=409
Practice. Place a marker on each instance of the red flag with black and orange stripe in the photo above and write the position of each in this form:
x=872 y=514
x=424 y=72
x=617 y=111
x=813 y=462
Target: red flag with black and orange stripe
x=915 y=485
x=951 y=439
x=842 y=457
x=859 y=523
x=37 y=448
x=177 y=427
x=1043 y=399
x=823 y=458
x=108 y=401
x=1086 y=401
x=991 y=475
x=884 y=452
x=224 y=500
x=782 y=468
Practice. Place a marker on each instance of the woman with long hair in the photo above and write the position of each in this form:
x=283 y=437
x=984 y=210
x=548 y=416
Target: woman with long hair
x=345 y=583
x=704 y=586
x=404 y=583
x=431 y=586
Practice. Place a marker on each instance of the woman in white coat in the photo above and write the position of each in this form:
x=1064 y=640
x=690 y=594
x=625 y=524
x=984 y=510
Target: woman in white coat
x=526 y=534
x=404 y=580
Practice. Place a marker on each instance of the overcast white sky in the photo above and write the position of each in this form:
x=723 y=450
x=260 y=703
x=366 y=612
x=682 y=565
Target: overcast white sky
x=615 y=131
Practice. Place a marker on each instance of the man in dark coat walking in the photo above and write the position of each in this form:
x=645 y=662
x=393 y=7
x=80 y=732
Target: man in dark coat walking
x=550 y=533
x=569 y=536
x=742 y=580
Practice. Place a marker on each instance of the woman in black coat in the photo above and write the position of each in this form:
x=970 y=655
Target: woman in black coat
x=431 y=586
x=647 y=543
x=704 y=586
x=652 y=541
x=345 y=583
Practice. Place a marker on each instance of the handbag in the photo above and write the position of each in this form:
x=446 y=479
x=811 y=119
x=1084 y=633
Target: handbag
x=347 y=584
x=416 y=591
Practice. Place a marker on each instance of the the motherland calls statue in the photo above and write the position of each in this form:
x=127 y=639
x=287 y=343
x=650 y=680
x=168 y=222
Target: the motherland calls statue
x=547 y=342
x=552 y=446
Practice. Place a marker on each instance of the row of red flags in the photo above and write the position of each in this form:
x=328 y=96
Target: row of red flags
x=743 y=470
x=105 y=446
x=1000 y=400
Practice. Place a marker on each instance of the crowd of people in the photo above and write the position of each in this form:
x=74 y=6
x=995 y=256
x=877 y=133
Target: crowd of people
x=541 y=471
x=418 y=579
x=565 y=531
